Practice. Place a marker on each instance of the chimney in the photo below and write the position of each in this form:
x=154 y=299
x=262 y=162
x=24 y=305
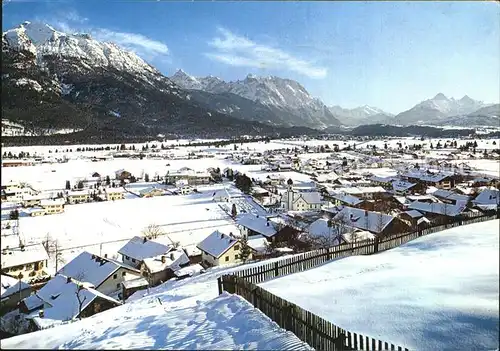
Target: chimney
x=105 y=255
x=145 y=239
x=22 y=247
x=40 y=314
x=93 y=257
x=68 y=279
x=267 y=223
x=172 y=256
x=163 y=259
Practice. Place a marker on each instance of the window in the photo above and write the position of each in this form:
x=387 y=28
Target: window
x=123 y=274
x=227 y=258
x=127 y=258
x=115 y=276
x=133 y=260
x=236 y=257
x=118 y=286
x=236 y=247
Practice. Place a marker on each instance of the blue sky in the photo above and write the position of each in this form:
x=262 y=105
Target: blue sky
x=385 y=54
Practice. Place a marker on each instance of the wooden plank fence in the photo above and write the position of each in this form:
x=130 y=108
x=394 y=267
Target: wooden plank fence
x=310 y=328
x=307 y=326
x=311 y=259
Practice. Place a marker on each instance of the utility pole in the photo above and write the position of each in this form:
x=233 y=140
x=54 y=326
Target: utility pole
x=57 y=254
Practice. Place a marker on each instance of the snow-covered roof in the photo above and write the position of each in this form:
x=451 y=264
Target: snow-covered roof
x=258 y=224
x=258 y=243
x=173 y=260
x=114 y=190
x=401 y=185
x=319 y=228
x=358 y=235
x=312 y=197
x=10 y=285
x=52 y=202
x=217 y=243
x=135 y=283
x=427 y=176
x=348 y=199
x=414 y=214
x=189 y=270
x=438 y=208
x=139 y=248
x=61 y=295
x=488 y=197
x=374 y=222
x=17 y=256
x=78 y=192
x=450 y=195
x=91 y=268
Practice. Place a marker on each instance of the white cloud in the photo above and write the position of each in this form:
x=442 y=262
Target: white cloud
x=236 y=50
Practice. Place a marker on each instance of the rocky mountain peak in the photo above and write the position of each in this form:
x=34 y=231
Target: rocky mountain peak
x=440 y=96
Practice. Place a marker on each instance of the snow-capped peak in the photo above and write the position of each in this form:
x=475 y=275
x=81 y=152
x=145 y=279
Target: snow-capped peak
x=43 y=41
x=440 y=96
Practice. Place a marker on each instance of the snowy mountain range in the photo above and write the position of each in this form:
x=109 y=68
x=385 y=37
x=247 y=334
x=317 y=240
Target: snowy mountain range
x=438 y=109
x=360 y=115
x=56 y=80
x=48 y=75
x=286 y=98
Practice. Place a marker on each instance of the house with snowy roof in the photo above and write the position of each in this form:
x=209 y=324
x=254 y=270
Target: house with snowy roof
x=401 y=187
x=488 y=199
x=451 y=197
x=139 y=248
x=158 y=269
x=27 y=262
x=12 y=291
x=219 y=248
x=324 y=233
x=63 y=299
x=377 y=223
x=292 y=200
x=251 y=225
x=440 y=180
x=78 y=196
x=106 y=275
x=438 y=211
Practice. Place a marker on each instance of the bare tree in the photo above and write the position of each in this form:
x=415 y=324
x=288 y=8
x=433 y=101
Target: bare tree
x=53 y=248
x=379 y=224
x=152 y=231
x=81 y=300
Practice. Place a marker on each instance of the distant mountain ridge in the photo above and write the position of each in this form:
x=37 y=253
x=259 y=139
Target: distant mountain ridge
x=360 y=115
x=286 y=98
x=437 y=109
x=53 y=80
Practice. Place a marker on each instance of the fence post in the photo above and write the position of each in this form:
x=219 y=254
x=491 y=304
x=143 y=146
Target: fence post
x=328 y=256
x=219 y=284
x=276 y=269
x=375 y=245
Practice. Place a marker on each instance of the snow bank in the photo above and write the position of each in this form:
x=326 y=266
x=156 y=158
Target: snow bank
x=190 y=316
x=439 y=292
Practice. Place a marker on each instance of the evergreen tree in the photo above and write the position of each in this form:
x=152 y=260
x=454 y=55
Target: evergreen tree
x=245 y=250
x=80 y=185
x=146 y=177
x=108 y=181
x=68 y=185
x=234 y=212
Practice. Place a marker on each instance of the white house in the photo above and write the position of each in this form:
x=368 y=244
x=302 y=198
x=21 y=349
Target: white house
x=104 y=274
x=137 y=249
x=301 y=201
x=251 y=225
x=27 y=262
x=219 y=248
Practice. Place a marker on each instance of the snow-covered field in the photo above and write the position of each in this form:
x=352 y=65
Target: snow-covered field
x=439 y=292
x=187 y=219
x=190 y=316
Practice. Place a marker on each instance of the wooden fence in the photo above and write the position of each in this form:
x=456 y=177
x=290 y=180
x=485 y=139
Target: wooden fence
x=311 y=259
x=310 y=328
